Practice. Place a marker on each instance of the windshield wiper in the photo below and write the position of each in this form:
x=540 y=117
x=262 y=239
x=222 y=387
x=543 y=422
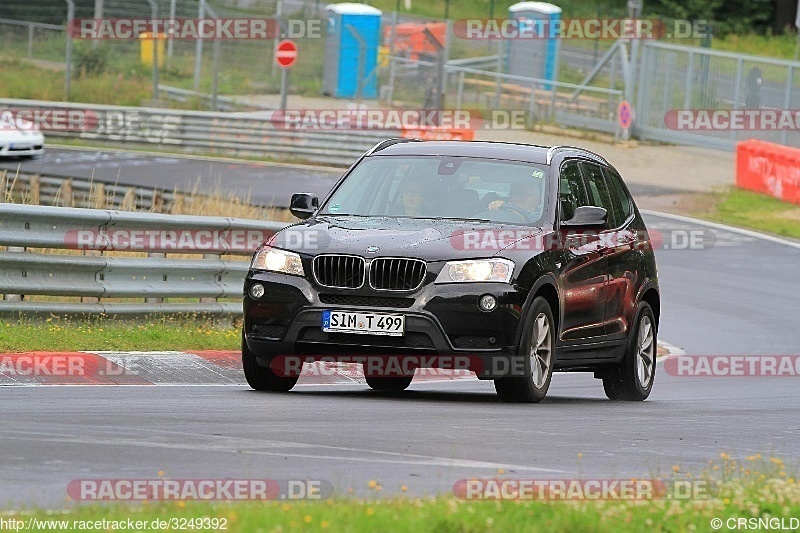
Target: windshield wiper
x=465 y=219
x=453 y=218
x=344 y=215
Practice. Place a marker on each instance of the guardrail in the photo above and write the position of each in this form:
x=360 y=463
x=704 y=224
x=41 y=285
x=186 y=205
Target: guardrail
x=94 y=276
x=243 y=134
x=219 y=103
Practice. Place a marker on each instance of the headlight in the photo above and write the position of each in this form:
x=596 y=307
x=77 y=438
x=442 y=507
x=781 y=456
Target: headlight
x=476 y=270
x=277 y=261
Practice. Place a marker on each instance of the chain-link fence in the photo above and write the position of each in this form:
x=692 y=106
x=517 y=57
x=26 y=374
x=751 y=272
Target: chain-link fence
x=32 y=40
x=699 y=81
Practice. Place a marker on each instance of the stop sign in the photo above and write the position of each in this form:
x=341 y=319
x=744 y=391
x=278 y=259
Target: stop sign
x=286 y=53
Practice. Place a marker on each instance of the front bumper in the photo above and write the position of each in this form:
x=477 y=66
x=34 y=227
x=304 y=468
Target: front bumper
x=441 y=319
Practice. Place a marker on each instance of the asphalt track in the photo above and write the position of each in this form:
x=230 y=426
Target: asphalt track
x=738 y=297
x=263 y=183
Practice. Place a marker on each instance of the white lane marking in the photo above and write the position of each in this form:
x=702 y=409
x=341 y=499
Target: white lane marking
x=671 y=350
x=717 y=225
x=394 y=457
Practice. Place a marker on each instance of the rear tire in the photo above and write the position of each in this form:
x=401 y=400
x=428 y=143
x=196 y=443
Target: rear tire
x=538 y=345
x=389 y=384
x=262 y=378
x=633 y=379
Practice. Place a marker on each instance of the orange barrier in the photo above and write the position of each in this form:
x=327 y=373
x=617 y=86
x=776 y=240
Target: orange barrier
x=769 y=168
x=439 y=134
x=411 y=40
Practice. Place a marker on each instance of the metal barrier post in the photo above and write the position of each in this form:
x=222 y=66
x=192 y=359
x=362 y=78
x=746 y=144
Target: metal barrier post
x=460 y=91
x=787 y=99
x=737 y=92
x=499 y=87
x=198 y=48
x=68 y=59
x=392 y=62
x=154 y=35
x=687 y=89
x=158 y=255
x=15 y=297
x=30 y=41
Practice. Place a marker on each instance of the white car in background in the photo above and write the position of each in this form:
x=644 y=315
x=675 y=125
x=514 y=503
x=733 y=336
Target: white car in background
x=21 y=140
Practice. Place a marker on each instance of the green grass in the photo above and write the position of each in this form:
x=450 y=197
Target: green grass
x=20 y=79
x=748 y=209
x=105 y=333
x=780 y=46
x=751 y=488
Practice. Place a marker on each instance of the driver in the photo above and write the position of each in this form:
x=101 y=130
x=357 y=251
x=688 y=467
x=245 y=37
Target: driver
x=524 y=199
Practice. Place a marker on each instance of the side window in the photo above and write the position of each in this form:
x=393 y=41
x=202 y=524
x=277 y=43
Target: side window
x=599 y=193
x=623 y=203
x=571 y=190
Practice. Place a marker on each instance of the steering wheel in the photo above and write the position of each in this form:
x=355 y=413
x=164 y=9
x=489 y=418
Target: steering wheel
x=516 y=210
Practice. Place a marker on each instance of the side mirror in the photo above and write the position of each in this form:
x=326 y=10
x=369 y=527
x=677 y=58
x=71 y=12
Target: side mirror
x=587 y=216
x=304 y=204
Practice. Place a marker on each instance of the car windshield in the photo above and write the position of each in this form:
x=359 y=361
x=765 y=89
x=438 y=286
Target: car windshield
x=444 y=187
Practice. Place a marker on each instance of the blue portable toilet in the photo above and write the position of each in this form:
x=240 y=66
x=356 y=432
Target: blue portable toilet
x=537 y=57
x=351 y=51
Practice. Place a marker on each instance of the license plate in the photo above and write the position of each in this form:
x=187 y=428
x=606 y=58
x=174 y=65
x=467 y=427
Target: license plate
x=20 y=146
x=364 y=323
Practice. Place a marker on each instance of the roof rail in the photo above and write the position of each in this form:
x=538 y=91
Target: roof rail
x=389 y=142
x=551 y=152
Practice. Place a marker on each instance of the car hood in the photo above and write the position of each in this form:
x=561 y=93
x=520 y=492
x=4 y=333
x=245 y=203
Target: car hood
x=17 y=135
x=427 y=239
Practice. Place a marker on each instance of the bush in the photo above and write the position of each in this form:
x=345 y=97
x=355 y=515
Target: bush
x=91 y=60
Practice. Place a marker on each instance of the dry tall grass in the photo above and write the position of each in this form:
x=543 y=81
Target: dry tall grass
x=24 y=188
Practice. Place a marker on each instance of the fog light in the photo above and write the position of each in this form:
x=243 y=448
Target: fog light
x=257 y=291
x=487 y=302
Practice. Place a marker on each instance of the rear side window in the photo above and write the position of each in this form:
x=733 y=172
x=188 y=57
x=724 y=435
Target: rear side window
x=623 y=203
x=599 y=193
x=571 y=190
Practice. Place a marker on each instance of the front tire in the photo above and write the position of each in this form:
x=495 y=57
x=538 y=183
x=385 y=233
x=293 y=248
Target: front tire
x=633 y=379
x=538 y=344
x=389 y=384
x=262 y=378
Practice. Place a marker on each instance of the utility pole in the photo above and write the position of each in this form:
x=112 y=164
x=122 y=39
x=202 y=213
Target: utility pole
x=198 y=48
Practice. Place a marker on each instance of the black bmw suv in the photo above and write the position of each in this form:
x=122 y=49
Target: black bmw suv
x=521 y=259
